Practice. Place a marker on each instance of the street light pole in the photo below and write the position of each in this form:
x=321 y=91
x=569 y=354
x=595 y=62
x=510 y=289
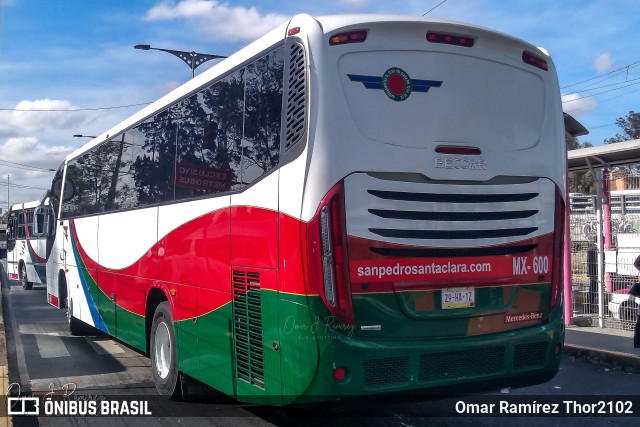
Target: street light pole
x=192 y=59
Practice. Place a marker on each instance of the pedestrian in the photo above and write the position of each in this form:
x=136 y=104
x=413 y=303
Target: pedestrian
x=634 y=292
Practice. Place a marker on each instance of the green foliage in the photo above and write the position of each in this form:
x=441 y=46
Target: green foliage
x=630 y=128
x=580 y=181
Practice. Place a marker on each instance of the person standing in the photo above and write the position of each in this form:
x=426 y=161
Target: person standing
x=635 y=293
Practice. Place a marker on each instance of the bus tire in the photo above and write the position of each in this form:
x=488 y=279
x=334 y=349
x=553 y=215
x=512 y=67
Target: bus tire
x=163 y=352
x=26 y=284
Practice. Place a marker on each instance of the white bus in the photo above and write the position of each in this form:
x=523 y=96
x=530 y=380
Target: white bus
x=349 y=205
x=26 y=241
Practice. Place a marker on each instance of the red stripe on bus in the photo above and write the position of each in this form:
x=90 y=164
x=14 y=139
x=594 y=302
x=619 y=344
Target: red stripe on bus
x=201 y=254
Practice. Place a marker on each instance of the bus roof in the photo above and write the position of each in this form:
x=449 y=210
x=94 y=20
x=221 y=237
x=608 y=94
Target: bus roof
x=332 y=23
x=26 y=205
x=328 y=24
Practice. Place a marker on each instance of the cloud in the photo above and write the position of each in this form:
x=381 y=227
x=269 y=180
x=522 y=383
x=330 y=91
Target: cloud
x=28 y=184
x=28 y=150
x=576 y=104
x=218 y=20
x=603 y=63
x=41 y=114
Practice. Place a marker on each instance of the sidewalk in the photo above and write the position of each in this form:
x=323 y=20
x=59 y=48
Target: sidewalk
x=612 y=348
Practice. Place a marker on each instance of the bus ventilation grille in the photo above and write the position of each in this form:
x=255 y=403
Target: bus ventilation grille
x=389 y=371
x=247 y=328
x=530 y=355
x=460 y=364
x=296 y=111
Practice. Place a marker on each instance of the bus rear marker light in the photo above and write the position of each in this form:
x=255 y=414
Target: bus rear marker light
x=350 y=37
x=531 y=59
x=450 y=39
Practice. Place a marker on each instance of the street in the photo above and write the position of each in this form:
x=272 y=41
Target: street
x=43 y=357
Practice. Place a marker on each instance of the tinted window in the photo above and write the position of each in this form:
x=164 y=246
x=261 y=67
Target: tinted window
x=260 y=147
x=218 y=140
x=91 y=174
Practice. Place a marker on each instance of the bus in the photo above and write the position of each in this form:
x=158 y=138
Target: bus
x=27 y=225
x=350 y=205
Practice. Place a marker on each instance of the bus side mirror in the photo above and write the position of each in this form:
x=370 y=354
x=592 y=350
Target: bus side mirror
x=69 y=189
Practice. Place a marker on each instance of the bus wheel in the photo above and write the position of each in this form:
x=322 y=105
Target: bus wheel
x=26 y=284
x=163 y=352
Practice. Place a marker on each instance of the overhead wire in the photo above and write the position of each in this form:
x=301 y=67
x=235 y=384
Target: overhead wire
x=625 y=67
x=72 y=110
x=434 y=8
x=23 y=166
x=28 y=187
x=600 y=93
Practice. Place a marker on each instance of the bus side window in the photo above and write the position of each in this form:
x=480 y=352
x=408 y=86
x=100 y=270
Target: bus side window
x=21 y=232
x=11 y=228
x=43 y=221
x=30 y=222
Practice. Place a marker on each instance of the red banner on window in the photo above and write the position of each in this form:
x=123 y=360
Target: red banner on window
x=202 y=177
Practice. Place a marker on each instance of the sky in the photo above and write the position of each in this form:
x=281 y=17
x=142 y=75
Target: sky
x=69 y=67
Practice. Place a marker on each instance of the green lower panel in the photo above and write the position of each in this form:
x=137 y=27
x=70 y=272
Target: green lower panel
x=299 y=334
x=277 y=349
x=216 y=349
x=130 y=328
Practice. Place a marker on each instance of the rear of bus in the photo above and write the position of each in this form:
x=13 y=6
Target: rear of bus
x=434 y=206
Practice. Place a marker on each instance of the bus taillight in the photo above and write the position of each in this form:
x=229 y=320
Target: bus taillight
x=329 y=225
x=531 y=59
x=450 y=39
x=350 y=37
x=558 y=251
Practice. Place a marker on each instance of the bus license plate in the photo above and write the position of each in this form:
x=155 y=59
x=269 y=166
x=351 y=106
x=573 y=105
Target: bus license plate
x=458 y=297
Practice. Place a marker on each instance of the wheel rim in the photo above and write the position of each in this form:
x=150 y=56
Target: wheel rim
x=23 y=274
x=162 y=350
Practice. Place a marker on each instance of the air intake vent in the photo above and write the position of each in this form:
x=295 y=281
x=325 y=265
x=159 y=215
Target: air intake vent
x=296 y=111
x=455 y=365
x=427 y=218
x=390 y=371
x=530 y=355
x=247 y=328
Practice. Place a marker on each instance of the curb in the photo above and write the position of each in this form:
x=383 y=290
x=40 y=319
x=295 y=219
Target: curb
x=624 y=362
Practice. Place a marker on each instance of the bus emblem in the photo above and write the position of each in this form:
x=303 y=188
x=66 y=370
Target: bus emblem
x=396 y=83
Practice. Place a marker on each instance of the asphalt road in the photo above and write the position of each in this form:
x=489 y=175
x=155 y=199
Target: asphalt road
x=44 y=357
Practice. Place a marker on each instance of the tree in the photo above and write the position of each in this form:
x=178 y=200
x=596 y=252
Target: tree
x=630 y=125
x=630 y=128
x=580 y=181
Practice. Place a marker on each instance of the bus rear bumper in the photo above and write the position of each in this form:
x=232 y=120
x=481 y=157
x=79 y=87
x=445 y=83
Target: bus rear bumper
x=515 y=358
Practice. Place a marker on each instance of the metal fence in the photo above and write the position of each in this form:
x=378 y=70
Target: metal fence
x=604 y=249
